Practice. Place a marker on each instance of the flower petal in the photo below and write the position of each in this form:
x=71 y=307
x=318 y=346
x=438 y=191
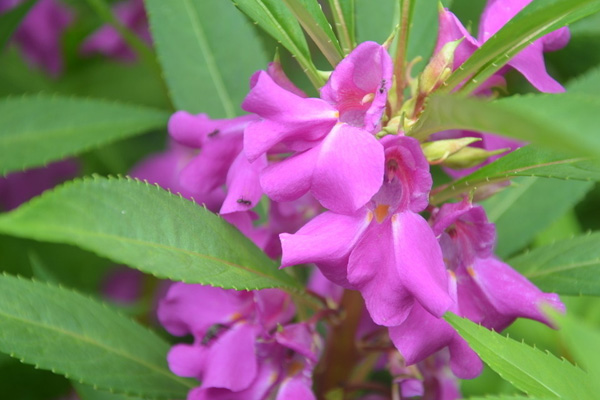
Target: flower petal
x=349 y=169
x=419 y=262
x=289 y=179
x=243 y=184
x=372 y=270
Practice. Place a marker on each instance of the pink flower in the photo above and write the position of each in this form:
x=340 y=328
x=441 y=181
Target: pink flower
x=335 y=156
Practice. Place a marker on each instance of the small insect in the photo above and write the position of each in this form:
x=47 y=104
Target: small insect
x=213 y=133
x=244 y=201
x=382 y=86
x=212 y=333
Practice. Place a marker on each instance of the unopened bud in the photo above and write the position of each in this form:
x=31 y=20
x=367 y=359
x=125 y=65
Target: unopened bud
x=438 y=151
x=470 y=156
x=439 y=68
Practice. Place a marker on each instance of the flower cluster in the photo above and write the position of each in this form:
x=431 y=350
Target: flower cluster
x=347 y=191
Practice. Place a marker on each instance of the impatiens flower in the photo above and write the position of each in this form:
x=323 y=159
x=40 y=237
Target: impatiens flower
x=335 y=155
x=385 y=249
x=107 y=39
x=39 y=33
x=243 y=345
x=18 y=187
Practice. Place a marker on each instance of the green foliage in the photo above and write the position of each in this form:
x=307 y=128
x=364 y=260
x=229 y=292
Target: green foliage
x=526 y=161
x=87 y=392
x=529 y=206
x=208 y=51
x=63 y=331
x=528 y=369
x=375 y=19
x=570 y=266
x=35 y=130
x=586 y=84
x=535 y=20
x=344 y=15
x=279 y=22
x=423 y=32
x=566 y=122
x=314 y=22
x=143 y=226
x=10 y=20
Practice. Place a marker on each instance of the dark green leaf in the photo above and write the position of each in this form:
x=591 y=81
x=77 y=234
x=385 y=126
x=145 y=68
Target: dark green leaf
x=63 y=331
x=87 y=392
x=586 y=84
x=570 y=266
x=526 y=161
x=567 y=122
x=148 y=228
x=344 y=15
x=530 y=205
x=528 y=369
x=35 y=130
x=9 y=21
x=535 y=20
x=314 y=22
x=23 y=382
x=278 y=21
x=208 y=51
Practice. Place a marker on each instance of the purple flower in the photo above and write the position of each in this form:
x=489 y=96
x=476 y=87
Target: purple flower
x=18 y=187
x=335 y=156
x=40 y=32
x=243 y=347
x=107 y=39
x=385 y=249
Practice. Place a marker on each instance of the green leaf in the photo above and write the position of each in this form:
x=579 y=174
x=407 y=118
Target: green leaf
x=535 y=20
x=423 y=32
x=143 y=226
x=566 y=122
x=343 y=12
x=23 y=382
x=278 y=21
x=530 y=205
x=510 y=397
x=87 y=392
x=586 y=84
x=526 y=161
x=375 y=20
x=583 y=341
x=35 y=130
x=528 y=369
x=570 y=267
x=9 y=21
x=311 y=17
x=208 y=51
x=70 y=334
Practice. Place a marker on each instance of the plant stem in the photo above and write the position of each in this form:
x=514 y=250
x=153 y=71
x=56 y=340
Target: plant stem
x=401 y=45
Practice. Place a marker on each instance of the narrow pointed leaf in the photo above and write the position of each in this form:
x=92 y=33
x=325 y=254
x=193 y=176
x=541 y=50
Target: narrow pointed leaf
x=529 y=206
x=510 y=397
x=567 y=122
x=343 y=12
x=310 y=15
x=570 y=267
x=35 y=130
x=208 y=51
x=87 y=392
x=278 y=21
x=10 y=20
x=423 y=32
x=526 y=161
x=534 y=21
x=70 y=334
x=528 y=369
x=143 y=226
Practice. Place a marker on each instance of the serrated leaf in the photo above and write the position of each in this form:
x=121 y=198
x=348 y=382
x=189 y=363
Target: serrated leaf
x=208 y=51
x=278 y=21
x=510 y=397
x=529 y=206
x=567 y=122
x=526 y=161
x=528 y=369
x=588 y=83
x=63 y=331
x=344 y=15
x=145 y=227
x=570 y=266
x=35 y=130
x=87 y=392
x=310 y=15
x=535 y=20
x=9 y=21
x=582 y=340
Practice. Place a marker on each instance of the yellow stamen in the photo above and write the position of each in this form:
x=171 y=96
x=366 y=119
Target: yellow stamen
x=368 y=98
x=471 y=272
x=381 y=212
